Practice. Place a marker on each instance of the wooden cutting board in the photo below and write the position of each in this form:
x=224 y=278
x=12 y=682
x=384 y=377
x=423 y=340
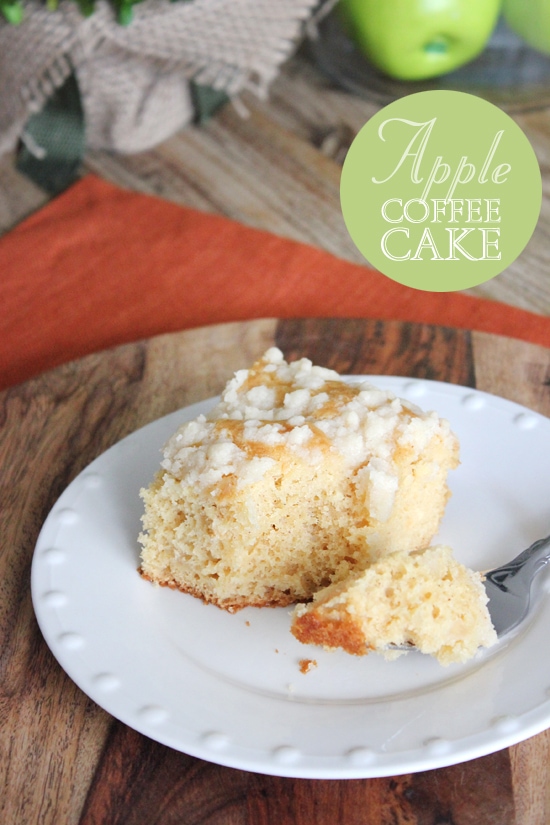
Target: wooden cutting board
x=64 y=760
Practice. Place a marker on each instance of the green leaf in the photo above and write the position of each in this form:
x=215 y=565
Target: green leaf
x=125 y=14
x=12 y=11
x=86 y=7
x=206 y=101
x=53 y=140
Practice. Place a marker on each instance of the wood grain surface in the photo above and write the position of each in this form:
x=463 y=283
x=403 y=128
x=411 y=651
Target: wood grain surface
x=63 y=760
x=278 y=168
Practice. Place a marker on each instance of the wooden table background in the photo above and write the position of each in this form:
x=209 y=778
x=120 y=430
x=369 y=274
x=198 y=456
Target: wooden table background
x=62 y=759
x=279 y=169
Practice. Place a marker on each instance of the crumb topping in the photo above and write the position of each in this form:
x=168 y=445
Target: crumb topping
x=307 y=410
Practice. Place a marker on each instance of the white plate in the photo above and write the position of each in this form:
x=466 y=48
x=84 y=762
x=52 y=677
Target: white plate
x=228 y=688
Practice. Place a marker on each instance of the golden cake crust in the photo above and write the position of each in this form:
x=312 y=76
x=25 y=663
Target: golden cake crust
x=313 y=628
x=232 y=605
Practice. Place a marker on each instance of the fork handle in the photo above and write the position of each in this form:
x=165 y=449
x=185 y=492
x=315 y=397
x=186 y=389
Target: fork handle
x=532 y=561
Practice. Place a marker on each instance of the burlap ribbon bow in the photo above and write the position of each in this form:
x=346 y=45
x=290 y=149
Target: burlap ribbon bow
x=134 y=80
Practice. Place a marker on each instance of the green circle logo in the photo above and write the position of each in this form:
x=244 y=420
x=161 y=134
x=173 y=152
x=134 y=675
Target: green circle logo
x=441 y=191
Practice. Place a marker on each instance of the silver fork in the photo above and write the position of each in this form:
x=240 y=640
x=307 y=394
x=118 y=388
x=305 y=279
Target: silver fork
x=509 y=586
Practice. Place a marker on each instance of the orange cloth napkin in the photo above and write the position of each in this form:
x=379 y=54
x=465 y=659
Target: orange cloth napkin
x=100 y=266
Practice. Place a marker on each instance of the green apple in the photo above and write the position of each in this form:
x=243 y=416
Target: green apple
x=419 y=39
x=531 y=20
